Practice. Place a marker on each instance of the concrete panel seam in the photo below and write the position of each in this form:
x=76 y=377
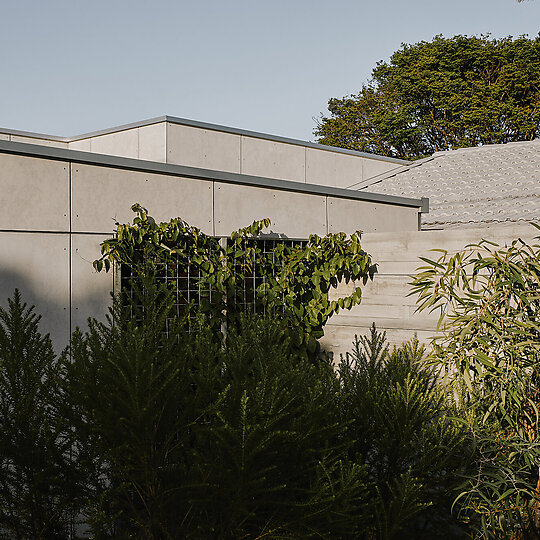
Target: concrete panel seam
x=33 y=231
x=213 y=208
x=241 y=147
x=327 y=220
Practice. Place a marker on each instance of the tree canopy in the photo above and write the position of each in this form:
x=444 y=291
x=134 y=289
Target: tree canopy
x=440 y=95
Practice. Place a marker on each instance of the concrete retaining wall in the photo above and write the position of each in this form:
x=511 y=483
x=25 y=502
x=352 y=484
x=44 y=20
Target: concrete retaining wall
x=385 y=299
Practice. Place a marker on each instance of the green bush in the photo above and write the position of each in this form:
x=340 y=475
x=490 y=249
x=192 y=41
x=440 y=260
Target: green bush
x=193 y=439
x=401 y=429
x=160 y=432
x=489 y=351
x=39 y=477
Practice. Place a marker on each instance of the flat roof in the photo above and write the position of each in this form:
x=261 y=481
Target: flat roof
x=76 y=156
x=205 y=125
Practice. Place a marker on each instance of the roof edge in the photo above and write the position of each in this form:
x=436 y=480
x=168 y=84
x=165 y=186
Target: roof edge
x=76 y=156
x=205 y=125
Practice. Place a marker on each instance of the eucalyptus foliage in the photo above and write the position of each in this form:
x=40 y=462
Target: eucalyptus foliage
x=440 y=95
x=295 y=280
x=489 y=351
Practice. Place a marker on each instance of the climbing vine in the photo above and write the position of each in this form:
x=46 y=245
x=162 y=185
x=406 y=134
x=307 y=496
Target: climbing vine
x=294 y=280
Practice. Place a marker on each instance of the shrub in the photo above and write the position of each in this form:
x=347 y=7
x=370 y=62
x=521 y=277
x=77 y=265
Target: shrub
x=489 y=352
x=402 y=430
x=39 y=478
x=192 y=439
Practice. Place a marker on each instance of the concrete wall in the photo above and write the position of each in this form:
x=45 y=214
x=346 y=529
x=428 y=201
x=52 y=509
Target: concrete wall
x=232 y=152
x=145 y=142
x=55 y=214
x=225 y=149
x=385 y=300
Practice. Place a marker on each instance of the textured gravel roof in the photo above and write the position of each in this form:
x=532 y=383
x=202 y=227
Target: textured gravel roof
x=487 y=184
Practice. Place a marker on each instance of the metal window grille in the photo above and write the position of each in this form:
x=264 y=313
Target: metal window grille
x=189 y=289
x=245 y=294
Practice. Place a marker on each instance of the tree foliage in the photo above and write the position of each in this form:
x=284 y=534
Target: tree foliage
x=489 y=351
x=294 y=281
x=39 y=478
x=440 y=95
x=143 y=429
x=402 y=428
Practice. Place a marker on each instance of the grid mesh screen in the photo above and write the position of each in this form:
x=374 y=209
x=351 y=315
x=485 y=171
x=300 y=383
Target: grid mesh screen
x=245 y=294
x=190 y=289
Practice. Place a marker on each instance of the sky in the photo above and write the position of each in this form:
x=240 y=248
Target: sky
x=70 y=67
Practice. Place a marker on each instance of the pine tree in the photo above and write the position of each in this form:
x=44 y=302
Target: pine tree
x=38 y=474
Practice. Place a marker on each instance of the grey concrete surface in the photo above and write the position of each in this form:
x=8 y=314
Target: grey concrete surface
x=349 y=216
x=103 y=195
x=123 y=143
x=385 y=300
x=48 y=190
x=295 y=215
x=90 y=290
x=196 y=147
x=34 y=194
x=33 y=140
x=198 y=144
x=261 y=157
x=323 y=168
x=38 y=265
x=153 y=142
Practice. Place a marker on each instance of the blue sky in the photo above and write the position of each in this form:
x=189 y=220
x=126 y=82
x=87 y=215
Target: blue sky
x=70 y=66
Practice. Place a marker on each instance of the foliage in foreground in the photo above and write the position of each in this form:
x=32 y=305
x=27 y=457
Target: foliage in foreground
x=405 y=436
x=443 y=94
x=38 y=474
x=291 y=282
x=489 y=353
x=177 y=435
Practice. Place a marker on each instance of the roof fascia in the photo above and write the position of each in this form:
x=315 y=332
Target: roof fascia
x=277 y=138
x=75 y=156
x=212 y=127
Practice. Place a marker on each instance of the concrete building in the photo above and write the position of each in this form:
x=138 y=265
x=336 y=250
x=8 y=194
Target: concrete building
x=60 y=197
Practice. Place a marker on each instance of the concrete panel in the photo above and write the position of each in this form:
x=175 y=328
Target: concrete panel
x=83 y=145
x=261 y=157
x=41 y=142
x=207 y=149
x=297 y=215
x=152 y=142
x=38 y=265
x=327 y=168
x=374 y=167
x=387 y=287
x=122 y=143
x=347 y=215
x=4 y=137
x=103 y=195
x=410 y=245
x=339 y=339
x=90 y=290
x=34 y=194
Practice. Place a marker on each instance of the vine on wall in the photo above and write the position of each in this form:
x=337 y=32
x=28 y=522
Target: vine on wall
x=295 y=279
